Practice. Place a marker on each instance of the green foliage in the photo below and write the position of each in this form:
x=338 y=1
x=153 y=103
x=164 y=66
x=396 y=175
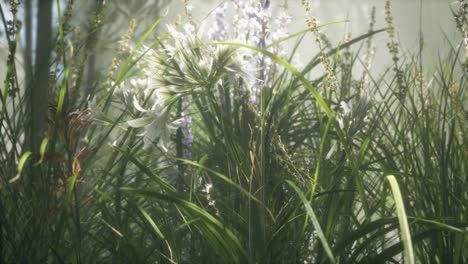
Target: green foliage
x=182 y=153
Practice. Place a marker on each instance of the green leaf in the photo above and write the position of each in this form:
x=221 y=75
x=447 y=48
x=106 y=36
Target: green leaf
x=218 y=234
x=315 y=61
x=151 y=222
x=62 y=92
x=21 y=163
x=43 y=149
x=70 y=187
x=303 y=32
x=112 y=228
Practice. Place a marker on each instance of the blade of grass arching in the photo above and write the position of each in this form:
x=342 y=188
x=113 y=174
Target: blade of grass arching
x=291 y=56
x=113 y=229
x=163 y=184
x=403 y=220
x=291 y=69
x=157 y=231
x=438 y=225
x=220 y=235
x=388 y=253
x=363 y=151
x=366 y=244
x=316 y=60
x=42 y=150
x=148 y=218
x=21 y=163
x=315 y=222
x=229 y=181
x=319 y=160
x=303 y=32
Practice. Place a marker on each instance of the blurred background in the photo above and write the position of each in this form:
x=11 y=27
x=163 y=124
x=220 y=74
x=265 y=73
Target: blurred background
x=430 y=19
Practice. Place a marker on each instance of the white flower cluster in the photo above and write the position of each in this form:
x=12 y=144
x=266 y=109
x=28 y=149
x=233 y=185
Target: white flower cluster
x=219 y=29
x=158 y=127
x=346 y=107
x=253 y=25
x=183 y=65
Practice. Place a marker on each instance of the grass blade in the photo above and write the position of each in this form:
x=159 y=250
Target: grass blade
x=315 y=222
x=21 y=163
x=402 y=219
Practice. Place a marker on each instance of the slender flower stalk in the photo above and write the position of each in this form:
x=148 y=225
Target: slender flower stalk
x=394 y=50
x=461 y=19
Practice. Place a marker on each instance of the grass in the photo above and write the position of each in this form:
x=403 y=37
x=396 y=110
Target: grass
x=201 y=149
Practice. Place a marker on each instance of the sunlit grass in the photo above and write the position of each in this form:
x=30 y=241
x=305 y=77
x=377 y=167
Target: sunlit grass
x=213 y=147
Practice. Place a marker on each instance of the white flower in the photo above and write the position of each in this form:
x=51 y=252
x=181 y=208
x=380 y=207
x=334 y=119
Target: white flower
x=340 y=122
x=139 y=84
x=189 y=29
x=208 y=187
x=347 y=107
x=157 y=126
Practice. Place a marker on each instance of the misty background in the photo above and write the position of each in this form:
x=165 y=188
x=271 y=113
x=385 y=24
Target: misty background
x=431 y=19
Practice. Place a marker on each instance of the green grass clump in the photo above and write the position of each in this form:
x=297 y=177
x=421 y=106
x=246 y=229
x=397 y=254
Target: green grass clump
x=211 y=146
